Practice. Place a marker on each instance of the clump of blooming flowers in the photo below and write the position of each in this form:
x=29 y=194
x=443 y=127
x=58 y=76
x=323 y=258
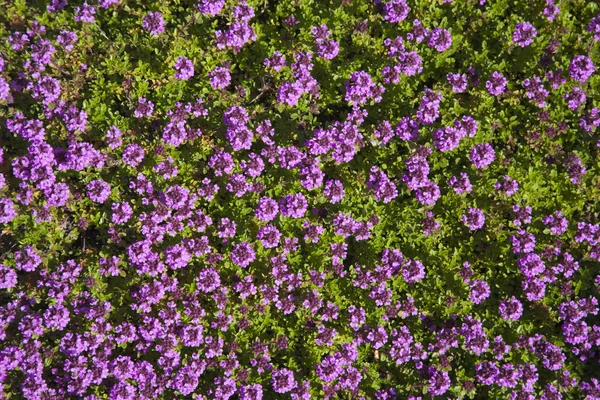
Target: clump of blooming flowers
x=226 y=200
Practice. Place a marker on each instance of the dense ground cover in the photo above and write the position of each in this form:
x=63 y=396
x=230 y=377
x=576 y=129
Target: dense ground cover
x=299 y=199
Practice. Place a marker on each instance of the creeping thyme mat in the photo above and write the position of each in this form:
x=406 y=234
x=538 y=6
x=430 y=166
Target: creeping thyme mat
x=299 y=199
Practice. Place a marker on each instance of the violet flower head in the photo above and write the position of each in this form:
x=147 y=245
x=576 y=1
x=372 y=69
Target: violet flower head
x=506 y=185
x=360 y=88
x=439 y=382
x=67 y=39
x=482 y=155
x=283 y=380
x=575 y=98
x=458 y=82
x=210 y=7
x=293 y=205
x=267 y=209
x=395 y=11
x=334 y=191
x=594 y=27
x=480 y=290
x=328 y=50
x=428 y=110
x=133 y=154
x=98 y=191
x=219 y=78
x=556 y=222
x=384 y=189
x=511 y=309
x=8 y=277
x=524 y=34
x=575 y=168
x=85 y=13
x=184 y=67
x=428 y=193
x=4 y=89
x=145 y=108
x=27 y=259
x=473 y=218
x=497 y=83
x=440 y=39
x=7 y=211
x=581 y=68
x=243 y=254
x=154 y=23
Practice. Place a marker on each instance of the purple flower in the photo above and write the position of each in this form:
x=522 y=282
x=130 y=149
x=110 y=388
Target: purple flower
x=497 y=84
x=219 y=78
x=251 y=392
x=486 y=372
x=184 y=67
x=85 y=13
x=238 y=34
x=482 y=155
x=536 y=91
x=121 y=212
x=581 y=68
x=210 y=7
x=227 y=229
x=384 y=189
x=575 y=98
x=113 y=137
x=67 y=39
x=574 y=167
x=48 y=89
x=8 y=277
x=511 y=309
x=283 y=380
x=266 y=209
x=360 y=88
x=4 y=89
x=480 y=291
x=328 y=50
x=524 y=34
x=440 y=39
x=144 y=109
x=133 y=154
x=428 y=193
x=407 y=129
x=395 y=11
x=594 y=27
x=473 y=218
x=428 y=110
x=460 y=184
x=413 y=271
x=430 y=225
x=7 y=211
x=556 y=222
x=98 y=190
x=269 y=236
x=154 y=23
x=458 y=82
x=320 y=33
x=531 y=265
x=334 y=191
x=439 y=382
x=27 y=259
x=243 y=254
x=507 y=185
x=534 y=289
x=208 y=280
x=293 y=205
x=447 y=138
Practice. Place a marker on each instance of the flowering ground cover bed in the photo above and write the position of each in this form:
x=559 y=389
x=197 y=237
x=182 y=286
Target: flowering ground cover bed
x=342 y=199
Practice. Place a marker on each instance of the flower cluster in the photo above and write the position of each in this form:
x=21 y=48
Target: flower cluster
x=254 y=200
